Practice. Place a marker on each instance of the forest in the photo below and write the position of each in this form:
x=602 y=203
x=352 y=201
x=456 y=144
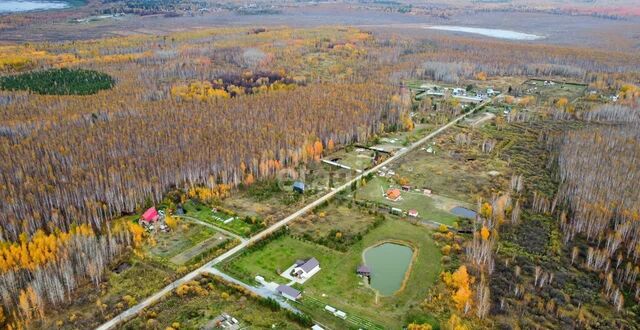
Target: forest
x=58 y=82
x=113 y=124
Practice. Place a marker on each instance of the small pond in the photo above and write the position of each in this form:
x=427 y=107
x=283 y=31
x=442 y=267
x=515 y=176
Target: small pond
x=463 y=212
x=389 y=263
x=495 y=33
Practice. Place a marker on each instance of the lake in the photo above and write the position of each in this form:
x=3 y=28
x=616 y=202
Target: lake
x=14 y=6
x=463 y=212
x=389 y=263
x=495 y=33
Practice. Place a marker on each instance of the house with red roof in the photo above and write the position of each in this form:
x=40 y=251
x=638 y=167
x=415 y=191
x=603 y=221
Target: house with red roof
x=150 y=216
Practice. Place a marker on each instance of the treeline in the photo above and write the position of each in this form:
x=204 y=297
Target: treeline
x=598 y=170
x=452 y=59
x=44 y=270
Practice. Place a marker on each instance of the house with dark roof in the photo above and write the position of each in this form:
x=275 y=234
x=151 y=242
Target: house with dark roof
x=289 y=292
x=305 y=268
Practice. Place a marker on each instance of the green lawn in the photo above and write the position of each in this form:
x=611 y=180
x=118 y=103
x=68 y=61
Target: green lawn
x=336 y=283
x=429 y=208
x=205 y=213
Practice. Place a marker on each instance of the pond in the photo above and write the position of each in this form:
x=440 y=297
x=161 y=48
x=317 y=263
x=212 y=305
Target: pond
x=389 y=263
x=10 y=6
x=463 y=212
x=495 y=33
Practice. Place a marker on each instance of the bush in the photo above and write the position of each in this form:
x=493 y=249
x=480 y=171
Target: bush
x=59 y=82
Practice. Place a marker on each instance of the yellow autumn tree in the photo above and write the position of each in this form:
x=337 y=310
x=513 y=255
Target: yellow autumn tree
x=171 y=221
x=484 y=233
x=137 y=232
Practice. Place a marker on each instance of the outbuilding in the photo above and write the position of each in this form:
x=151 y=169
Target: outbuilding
x=289 y=292
x=298 y=187
x=363 y=270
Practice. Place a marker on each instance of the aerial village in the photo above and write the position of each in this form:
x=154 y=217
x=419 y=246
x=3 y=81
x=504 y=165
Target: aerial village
x=364 y=225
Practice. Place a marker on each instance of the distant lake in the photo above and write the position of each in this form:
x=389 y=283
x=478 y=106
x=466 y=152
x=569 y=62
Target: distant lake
x=14 y=6
x=495 y=33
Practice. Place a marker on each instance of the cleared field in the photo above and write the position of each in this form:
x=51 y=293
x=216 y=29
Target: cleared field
x=338 y=285
x=206 y=214
x=184 y=257
x=552 y=91
x=355 y=158
x=338 y=217
x=459 y=171
x=183 y=238
x=397 y=140
x=434 y=208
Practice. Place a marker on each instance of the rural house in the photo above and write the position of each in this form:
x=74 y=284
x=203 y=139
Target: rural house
x=393 y=194
x=150 y=216
x=305 y=268
x=289 y=292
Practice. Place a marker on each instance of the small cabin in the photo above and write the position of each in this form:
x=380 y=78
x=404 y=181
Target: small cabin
x=298 y=187
x=363 y=270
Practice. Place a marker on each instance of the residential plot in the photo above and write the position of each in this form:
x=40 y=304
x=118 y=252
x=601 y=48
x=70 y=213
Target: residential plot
x=338 y=284
x=234 y=223
x=205 y=303
x=433 y=207
x=549 y=90
x=338 y=225
x=183 y=257
x=355 y=158
x=182 y=238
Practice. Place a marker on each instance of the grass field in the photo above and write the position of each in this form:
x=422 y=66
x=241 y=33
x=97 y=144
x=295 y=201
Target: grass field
x=184 y=237
x=356 y=158
x=337 y=283
x=429 y=208
x=337 y=216
x=553 y=92
x=206 y=214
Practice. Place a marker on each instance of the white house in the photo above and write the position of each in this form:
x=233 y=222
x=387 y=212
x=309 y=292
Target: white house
x=304 y=269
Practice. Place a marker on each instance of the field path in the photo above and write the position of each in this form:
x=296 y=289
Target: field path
x=133 y=311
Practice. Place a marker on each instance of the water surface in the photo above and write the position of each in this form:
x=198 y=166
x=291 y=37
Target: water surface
x=389 y=263
x=495 y=33
x=463 y=212
x=14 y=6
